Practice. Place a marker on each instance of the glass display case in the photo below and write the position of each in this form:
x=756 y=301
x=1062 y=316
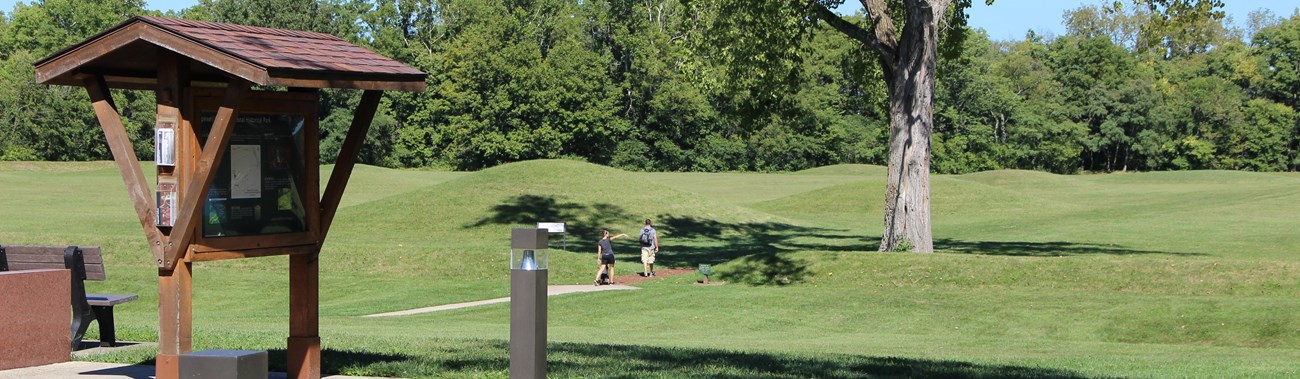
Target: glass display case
x=528 y=249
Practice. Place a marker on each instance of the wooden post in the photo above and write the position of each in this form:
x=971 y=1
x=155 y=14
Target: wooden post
x=175 y=284
x=175 y=315
x=304 y=269
x=304 y=338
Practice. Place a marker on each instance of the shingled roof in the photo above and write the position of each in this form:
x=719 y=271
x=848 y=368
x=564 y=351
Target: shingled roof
x=126 y=55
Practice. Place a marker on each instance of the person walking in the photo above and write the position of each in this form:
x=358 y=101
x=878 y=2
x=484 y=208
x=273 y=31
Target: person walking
x=605 y=255
x=649 y=247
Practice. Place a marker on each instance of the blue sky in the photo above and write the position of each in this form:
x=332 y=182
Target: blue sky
x=8 y=5
x=1010 y=19
x=1004 y=20
x=166 y=4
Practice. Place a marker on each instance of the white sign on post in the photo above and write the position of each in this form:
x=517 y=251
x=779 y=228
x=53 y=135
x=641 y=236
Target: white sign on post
x=553 y=227
x=556 y=227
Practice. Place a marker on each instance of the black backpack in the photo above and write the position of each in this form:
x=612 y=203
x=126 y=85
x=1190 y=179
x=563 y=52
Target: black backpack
x=646 y=240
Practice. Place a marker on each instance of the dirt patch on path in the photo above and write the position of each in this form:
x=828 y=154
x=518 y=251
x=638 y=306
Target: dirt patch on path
x=659 y=274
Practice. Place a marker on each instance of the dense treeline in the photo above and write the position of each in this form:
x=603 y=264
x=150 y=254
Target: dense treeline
x=653 y=85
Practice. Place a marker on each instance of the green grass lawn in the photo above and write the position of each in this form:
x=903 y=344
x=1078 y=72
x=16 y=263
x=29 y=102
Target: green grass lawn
x=1177 y=274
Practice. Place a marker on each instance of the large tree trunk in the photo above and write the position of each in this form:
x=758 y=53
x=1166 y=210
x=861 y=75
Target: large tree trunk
x=908 y=63
x=911 y=110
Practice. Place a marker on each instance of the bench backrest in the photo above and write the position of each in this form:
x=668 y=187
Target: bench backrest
x=24 y=257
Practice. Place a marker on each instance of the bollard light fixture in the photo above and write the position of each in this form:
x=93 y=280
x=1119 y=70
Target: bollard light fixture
x=528 y=263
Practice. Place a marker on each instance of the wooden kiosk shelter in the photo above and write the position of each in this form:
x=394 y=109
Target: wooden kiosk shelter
x=238 y=168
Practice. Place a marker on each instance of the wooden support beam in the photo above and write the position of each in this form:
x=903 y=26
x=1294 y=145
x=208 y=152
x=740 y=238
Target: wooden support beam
x=304 y=299
x=347 y=159
x=127 y=163
x=254 y=241
x=217 y=255
x=214 y=149
x=311 y=186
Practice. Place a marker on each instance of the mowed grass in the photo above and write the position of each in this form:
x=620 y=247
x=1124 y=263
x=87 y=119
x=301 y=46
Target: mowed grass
x=1181 y=274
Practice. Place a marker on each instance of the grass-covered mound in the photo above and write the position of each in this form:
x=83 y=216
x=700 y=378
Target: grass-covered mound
x=1202 y=213
x=847 y=169
x=462 y=226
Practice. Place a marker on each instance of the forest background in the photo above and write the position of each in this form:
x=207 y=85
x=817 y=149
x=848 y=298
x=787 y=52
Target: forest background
x=653 y=85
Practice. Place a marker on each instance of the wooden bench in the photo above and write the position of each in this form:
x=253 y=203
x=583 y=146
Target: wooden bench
x=85 y=263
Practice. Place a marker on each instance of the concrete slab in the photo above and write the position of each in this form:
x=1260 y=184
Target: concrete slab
x=96 y=370
x=550 y=291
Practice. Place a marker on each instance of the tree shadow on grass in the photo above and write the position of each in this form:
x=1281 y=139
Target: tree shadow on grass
x=341 y=361
x=582 y=221
x=766 y=269
x=1042 y=249
x=477 y=358
x=642 y=361
x=689 y=241
x=720 y=242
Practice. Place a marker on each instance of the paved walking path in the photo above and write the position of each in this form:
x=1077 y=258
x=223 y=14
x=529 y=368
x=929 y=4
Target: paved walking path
x=550 y=291
x=95 y=370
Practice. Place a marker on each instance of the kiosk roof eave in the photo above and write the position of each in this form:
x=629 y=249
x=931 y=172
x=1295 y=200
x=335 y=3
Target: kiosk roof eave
x=126 y=56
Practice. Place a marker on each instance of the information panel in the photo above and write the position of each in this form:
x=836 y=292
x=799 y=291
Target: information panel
x=258 y=188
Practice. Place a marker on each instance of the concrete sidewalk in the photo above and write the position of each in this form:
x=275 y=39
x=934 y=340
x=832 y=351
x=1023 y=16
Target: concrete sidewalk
x=95 y=370
x=550 y=291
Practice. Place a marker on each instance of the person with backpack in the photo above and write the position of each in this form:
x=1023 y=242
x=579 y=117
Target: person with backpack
x=605 y=256
x=649 y=247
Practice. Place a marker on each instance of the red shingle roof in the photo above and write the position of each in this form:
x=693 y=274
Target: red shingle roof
x=284 y=49
x=127 y=55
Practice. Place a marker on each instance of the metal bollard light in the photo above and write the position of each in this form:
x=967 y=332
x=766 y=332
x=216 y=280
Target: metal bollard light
x=528 y=264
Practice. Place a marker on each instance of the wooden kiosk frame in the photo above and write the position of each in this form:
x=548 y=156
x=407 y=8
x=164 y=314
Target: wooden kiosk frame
x=199 y=68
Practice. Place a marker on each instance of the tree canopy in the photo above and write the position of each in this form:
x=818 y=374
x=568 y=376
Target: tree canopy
x=644 y=85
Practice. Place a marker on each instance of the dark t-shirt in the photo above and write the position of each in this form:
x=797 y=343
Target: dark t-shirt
x=605 y=247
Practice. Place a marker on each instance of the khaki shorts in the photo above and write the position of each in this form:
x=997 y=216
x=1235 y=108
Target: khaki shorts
x=647 y=255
